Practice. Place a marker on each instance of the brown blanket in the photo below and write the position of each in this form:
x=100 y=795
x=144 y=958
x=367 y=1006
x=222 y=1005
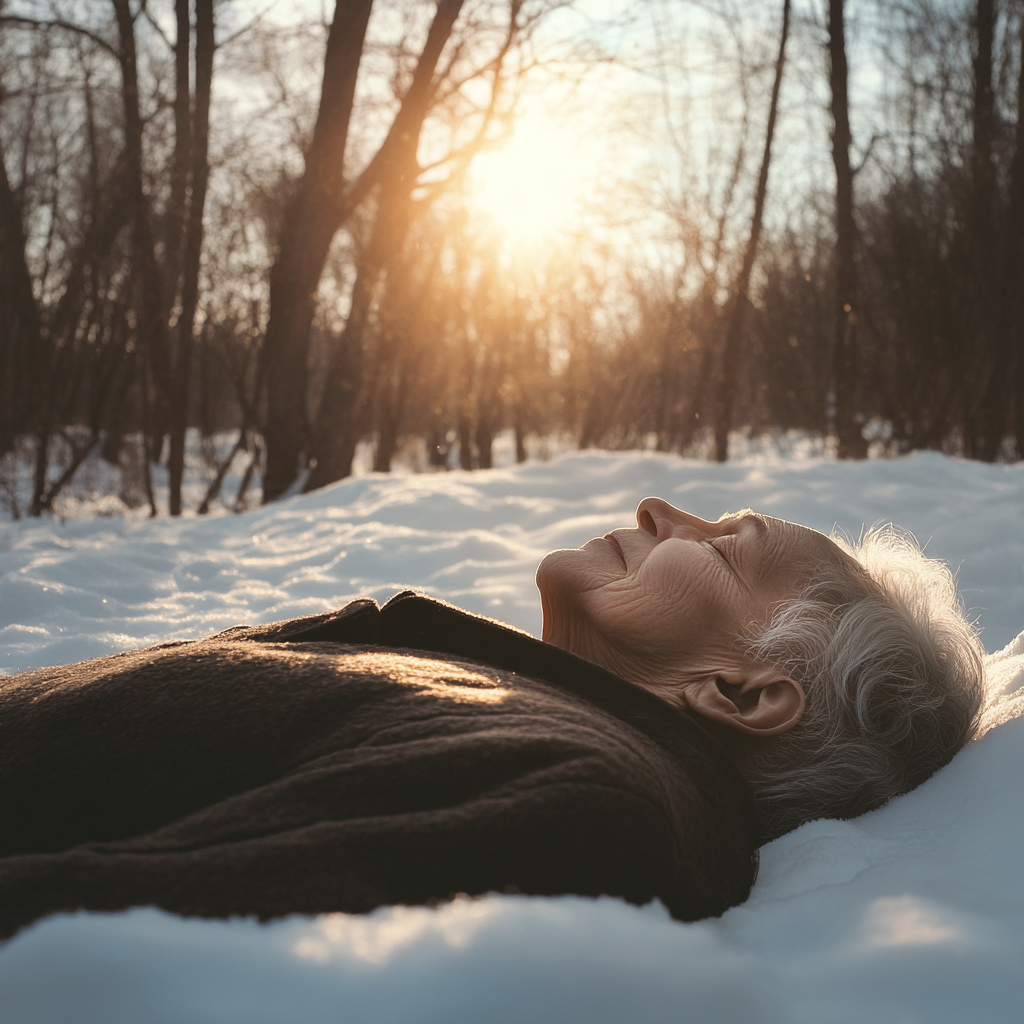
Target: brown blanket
x=349 y=760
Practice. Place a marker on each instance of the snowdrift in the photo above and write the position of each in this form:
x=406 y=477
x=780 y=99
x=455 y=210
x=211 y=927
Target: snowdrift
x=914 y=912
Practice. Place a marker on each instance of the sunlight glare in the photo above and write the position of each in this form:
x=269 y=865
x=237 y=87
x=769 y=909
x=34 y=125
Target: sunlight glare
x=376 y=937
x=908 y=921
x=532 y=185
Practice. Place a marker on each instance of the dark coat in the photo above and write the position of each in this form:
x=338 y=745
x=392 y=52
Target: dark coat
x=363 y=757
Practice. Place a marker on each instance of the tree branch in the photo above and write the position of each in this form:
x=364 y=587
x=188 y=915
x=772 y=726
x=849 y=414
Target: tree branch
x=67 y=26
x=155 y=25
x=245 y=28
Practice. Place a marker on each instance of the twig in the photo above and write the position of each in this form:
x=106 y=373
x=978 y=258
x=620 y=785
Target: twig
x=17 y=19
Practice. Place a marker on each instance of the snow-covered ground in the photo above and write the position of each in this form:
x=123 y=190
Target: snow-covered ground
x=912 y=913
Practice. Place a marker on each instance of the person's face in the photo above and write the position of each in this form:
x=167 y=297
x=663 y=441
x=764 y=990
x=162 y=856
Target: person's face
x=666 y=602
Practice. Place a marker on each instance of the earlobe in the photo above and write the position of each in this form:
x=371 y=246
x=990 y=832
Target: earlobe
x=763 y=704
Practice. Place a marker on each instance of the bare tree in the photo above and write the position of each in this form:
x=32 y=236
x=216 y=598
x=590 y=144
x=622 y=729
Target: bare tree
x=847 y=368
x=150 y=297
x=395 y=172
x=21 y=338
x=68 y=373
x=982 y=426
x=133 y=277
x=194 y=126
x=1010 y=374
x=321 y=203
x=982 y=125
x=729 y=367
x=995 y=408
x=348 y=387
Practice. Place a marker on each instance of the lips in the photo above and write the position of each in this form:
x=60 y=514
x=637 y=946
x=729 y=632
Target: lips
x=618 y=548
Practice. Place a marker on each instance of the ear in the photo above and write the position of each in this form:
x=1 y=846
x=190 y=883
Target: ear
x=757 y=702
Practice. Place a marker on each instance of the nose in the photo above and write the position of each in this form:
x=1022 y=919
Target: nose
x=660 y=519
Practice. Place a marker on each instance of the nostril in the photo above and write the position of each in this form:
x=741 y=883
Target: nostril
x=645 y=521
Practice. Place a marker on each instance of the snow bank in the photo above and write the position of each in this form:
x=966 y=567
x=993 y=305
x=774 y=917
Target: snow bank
x=912 y=913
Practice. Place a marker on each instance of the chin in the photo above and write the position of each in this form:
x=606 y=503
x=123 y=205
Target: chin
x=565 y=573
x=568 y=572
x=561 y=576
x=552 y=571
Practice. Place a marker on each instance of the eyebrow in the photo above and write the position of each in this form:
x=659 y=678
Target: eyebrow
x=758 y=521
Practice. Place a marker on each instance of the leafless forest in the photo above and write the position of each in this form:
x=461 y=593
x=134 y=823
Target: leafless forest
x=410 y=222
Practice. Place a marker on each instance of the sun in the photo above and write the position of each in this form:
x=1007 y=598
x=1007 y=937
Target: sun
x=532 y=185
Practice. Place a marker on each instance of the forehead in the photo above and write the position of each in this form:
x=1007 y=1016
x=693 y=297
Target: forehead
x=791 y=548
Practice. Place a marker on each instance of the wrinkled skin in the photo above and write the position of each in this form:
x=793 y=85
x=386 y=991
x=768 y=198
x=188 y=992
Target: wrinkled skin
x=662 y=605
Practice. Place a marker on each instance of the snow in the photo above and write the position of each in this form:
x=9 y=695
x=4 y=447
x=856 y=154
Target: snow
x=914 y=912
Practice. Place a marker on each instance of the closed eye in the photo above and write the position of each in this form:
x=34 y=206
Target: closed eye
x=714 y=545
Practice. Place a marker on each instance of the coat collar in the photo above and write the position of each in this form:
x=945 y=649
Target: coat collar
x=424 y=623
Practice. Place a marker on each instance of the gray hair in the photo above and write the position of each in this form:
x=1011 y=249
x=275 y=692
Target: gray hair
x=892 y=673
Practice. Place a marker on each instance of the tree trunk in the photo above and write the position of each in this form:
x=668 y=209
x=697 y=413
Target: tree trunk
x=1008 y=378
x=387 y=445
x=845 y=362
x=392 y=380
x=392 y=373
x=174 y=228
x=983 y=168
x=406 y=295
x=343 y=404
x=152 y=323
x=484 y=441
x=465 y=433
x=520 y=439
x=313 y=218
x=985 y=419
x=665 y=396
x=28 y=368
x=726 y=390
x=319 y=209
x=437 y=447
x=40 y=465
x=200 y=173
x=21 y=339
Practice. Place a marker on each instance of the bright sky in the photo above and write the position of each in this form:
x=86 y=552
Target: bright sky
x=532 y=185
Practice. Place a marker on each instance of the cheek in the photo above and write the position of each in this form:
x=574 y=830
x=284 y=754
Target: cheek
x=667 y=612
x=632 y=619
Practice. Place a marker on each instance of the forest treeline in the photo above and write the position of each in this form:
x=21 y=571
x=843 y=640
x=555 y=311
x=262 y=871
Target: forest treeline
x=211 y=219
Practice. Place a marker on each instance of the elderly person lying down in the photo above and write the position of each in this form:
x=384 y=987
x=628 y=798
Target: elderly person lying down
x=701 y=687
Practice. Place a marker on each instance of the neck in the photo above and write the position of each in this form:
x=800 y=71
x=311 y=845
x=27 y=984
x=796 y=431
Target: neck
x=577 y=637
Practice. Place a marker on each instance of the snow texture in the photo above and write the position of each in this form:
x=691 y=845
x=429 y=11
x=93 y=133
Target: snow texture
x=913 y=913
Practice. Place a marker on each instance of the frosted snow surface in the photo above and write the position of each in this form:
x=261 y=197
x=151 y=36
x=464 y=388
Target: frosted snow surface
x=913 y=913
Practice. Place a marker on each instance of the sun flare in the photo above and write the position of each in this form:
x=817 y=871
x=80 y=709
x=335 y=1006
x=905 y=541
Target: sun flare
x=532 y=185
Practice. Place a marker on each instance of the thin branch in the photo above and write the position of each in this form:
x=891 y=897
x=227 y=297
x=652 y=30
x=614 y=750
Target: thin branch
x=245 y=28
x=460 y=159
x=867 y=153
x=155 y=25
x=67 y=26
